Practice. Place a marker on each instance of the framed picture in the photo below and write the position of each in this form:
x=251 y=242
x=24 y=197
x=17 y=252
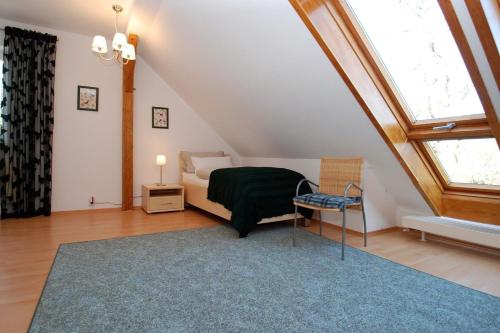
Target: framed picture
x=87 y=98
x=160 y=117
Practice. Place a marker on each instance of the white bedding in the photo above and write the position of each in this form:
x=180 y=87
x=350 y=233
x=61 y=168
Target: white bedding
x=194 y=179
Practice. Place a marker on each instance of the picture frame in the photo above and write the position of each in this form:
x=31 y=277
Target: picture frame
x=160 y=117
x=87 y=98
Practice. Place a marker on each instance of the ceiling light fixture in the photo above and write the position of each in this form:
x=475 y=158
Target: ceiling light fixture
x=123 y=51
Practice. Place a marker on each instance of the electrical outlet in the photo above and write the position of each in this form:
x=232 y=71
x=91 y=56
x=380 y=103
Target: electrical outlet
x=92 y=200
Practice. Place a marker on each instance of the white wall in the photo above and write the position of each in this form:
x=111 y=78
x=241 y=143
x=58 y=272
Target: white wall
x=380 y=206
x=187 y=131
x=87 y=145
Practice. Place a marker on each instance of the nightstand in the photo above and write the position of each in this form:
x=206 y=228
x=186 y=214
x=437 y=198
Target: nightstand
x=162 y=198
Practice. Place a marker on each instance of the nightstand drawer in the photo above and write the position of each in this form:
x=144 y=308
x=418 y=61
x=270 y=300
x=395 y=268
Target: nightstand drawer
x=165 y=203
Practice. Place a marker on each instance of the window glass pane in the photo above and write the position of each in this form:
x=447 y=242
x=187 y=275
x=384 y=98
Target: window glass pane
x=415 y=44
x=470 y=161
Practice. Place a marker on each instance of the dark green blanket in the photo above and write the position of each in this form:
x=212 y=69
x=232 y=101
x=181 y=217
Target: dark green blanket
x=254 y=193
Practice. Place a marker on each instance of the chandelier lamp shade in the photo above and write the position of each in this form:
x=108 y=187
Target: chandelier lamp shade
x=122 y=51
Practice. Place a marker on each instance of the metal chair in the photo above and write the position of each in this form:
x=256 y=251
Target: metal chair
x=340 y=187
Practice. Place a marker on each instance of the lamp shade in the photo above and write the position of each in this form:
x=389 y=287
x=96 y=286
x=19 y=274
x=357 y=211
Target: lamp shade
x=119 y=41
x=99 y=44
x=161 y=160
x=128 y=52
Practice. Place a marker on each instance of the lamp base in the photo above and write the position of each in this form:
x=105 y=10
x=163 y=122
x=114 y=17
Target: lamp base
x=161 y=176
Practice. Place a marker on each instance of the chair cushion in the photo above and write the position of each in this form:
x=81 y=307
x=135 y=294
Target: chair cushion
x=326 y=201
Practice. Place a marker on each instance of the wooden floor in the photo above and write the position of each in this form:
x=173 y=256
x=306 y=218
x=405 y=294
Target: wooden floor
x=28 y=247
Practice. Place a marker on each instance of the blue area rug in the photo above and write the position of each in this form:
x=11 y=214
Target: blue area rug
x=209 y=280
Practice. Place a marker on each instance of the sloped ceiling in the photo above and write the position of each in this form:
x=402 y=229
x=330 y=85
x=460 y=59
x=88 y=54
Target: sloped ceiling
x=251 y=69
x=255 y=74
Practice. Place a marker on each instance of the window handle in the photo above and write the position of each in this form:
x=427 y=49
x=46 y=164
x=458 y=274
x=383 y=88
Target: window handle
x=446 y=127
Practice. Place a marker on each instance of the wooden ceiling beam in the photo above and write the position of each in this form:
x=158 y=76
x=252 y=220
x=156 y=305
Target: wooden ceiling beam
x=128 y=130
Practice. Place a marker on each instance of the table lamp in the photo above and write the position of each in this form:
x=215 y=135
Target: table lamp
x=161 y=160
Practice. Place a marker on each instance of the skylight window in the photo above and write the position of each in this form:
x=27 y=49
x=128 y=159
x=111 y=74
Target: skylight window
x=417 y=49
x=468 y=161
x=415 y=56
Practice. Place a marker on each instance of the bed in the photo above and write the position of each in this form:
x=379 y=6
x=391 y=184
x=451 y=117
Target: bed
x=231 y=180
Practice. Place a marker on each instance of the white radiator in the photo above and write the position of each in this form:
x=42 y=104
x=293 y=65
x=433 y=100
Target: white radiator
x=473 y=232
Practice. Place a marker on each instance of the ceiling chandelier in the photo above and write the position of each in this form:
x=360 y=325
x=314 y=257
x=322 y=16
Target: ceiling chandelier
x=122 y=51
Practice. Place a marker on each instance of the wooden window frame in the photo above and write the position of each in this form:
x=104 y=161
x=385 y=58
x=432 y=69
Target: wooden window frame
x=467 y=127
x=481 y=14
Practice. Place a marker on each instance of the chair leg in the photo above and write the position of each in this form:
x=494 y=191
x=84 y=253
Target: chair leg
x=320 y=224
x=343 y=231
x=364 y=220
x=294 y=225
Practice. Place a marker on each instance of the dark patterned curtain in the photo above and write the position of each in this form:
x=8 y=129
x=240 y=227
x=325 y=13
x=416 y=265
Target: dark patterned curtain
x=27 y=111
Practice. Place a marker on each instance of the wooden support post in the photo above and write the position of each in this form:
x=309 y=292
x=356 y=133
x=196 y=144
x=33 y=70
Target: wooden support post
x=128 y=130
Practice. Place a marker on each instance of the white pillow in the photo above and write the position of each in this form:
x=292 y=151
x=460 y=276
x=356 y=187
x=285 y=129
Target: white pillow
x=211 y=162
x=203 y=173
